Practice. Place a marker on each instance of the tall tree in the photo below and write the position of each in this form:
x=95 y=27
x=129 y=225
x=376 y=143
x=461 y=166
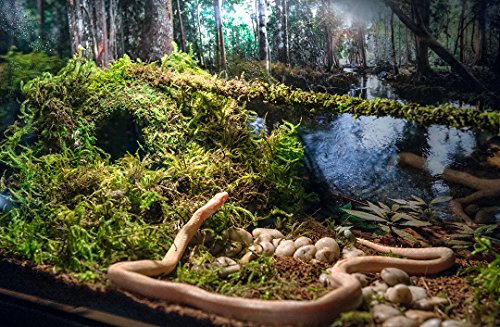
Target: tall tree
x=158 y=32
x=40 y=4
x=196 y=18
x=443 y=53
x=263 y=42
x=393 y=46
x=182 y=34
x=480 y=44
x=282 y=32
x=422 y=13
x=221 y=49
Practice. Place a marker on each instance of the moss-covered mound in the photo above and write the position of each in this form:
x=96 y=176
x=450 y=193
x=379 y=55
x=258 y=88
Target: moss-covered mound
x=80 y=208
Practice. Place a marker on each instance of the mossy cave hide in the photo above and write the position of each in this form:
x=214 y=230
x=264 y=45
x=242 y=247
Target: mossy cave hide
x=80 y=208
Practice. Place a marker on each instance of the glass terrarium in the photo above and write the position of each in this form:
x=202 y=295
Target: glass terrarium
x=248 y=163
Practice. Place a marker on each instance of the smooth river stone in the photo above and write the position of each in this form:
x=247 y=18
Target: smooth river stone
x=232 y=249
x=393 y=276
x=227 y=266
x=418 y=293
x=400 y=321
x=305 y=253
x=419 y=315
x=382 y=312
x=267 y=231
x=236 y=234
x=435 y=322
x=399 y=294
x=454 y=323
x=380 y=286
x=332 y=245
x=429 y=303
x=286 y=248
x=351 y=252
x=267 y=248
x=326 y=255
x=302 y=241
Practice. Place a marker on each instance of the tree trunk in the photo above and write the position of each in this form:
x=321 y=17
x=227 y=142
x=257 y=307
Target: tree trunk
x=41 y=14
x=113 y=35
x=480 y=43
x=461 y=32
x=196 y=19
x=362 y=48
x=263 y=43
x=393 y=47
x=285 y=35
x=79 y=19
x=158 y=32
x=421 y=11
x=281 y=32
x=181 y=27
x=221 y=50
x=102 y=55
x=444 y=54
x=496 y=66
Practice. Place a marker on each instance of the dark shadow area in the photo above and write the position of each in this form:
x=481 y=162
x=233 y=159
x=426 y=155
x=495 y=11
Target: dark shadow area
x=119 y=134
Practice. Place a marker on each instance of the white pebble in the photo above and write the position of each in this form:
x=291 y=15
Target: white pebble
x=418 y=293
x=429 y=303
x=454 y=323
x=419 y=315
x=305 y=253
x=286 y=248
x=393 y=276
x=436 y=322
x=302 y=241
x=267 y=231
x=382 y=312
x=399 y=294
x=267 y=248
x=400 y=321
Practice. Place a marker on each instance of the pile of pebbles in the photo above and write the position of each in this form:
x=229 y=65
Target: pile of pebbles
x=237 y=242
x=394 y=302
x=391 y=298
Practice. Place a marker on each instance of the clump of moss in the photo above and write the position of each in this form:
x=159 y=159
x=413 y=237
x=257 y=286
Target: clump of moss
x=15 y=69
x=79 y=209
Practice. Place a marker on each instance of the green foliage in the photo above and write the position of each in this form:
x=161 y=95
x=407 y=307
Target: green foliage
x=415 y=213
x=18 y=68
x=486 y=282
x=354 y=318
x=243 y=91
x=76 y=208
x=260 y=278
x=480 y=238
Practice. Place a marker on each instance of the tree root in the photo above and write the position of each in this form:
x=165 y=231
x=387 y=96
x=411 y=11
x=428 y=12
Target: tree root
x=484 y=188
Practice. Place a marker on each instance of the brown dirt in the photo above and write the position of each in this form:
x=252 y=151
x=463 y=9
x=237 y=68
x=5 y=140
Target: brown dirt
x=21 y=276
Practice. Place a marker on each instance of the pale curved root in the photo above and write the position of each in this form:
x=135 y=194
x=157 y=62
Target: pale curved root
x=134 y=276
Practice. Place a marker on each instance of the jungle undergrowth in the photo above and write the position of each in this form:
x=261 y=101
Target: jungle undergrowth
x=75 y=208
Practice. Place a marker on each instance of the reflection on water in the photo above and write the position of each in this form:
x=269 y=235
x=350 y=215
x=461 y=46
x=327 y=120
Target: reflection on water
x=359 y=157
x=370 y=86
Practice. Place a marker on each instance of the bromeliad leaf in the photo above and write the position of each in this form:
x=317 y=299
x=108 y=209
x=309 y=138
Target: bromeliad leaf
x=381 y=212
x=400 y=201
x=403 y=234
x=400 y=215
x=441 y=199
x=420 y=200
x=415 y=222
x=365 y=215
